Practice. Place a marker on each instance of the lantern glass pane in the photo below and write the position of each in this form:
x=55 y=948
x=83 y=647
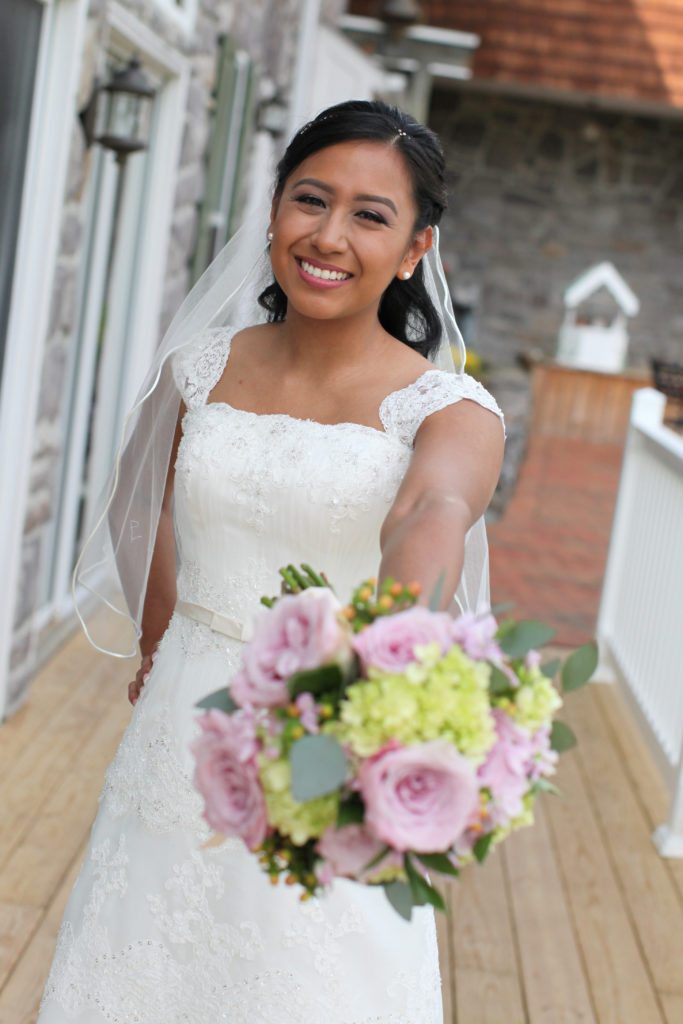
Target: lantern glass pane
x=124 y=116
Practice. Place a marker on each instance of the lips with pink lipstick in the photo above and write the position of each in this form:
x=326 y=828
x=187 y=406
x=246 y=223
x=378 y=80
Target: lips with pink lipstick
x=321 y=275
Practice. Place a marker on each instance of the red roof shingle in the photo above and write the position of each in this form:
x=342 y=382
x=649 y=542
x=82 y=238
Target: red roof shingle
x=631 y=50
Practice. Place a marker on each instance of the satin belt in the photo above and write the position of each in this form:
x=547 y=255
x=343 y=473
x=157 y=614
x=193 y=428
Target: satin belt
x=220 y=623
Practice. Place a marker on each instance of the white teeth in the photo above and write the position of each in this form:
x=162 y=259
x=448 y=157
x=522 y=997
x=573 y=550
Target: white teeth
x=326 y=275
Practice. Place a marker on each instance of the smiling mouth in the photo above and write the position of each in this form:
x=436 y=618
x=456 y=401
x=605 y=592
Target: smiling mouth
x=322 y=275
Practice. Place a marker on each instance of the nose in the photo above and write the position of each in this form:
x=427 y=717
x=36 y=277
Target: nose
x=330 y=233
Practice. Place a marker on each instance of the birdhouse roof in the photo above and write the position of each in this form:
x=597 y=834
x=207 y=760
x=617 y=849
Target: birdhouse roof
x=602 y=275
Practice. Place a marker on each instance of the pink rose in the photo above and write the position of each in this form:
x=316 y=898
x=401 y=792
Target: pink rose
x=389 y=642
x=348 y=849
x=227 y=778
x=475 y=633
x=419 y=797
x=302 y=631
x=505 y=770
x=237 y=729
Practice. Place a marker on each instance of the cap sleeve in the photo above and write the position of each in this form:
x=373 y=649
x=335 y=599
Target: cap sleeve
x=403 y=411
x=198 y=365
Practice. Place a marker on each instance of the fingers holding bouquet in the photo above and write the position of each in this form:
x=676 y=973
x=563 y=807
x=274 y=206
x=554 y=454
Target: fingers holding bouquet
x=381 y=740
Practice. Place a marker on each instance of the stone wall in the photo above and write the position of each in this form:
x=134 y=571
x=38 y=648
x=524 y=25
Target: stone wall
x=267 y=29
x=539 y=192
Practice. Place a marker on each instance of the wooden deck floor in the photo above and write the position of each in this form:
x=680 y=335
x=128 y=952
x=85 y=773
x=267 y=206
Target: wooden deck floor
x=574 y=920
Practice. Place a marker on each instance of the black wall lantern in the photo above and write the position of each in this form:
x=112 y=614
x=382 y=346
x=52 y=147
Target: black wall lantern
x=117 y=115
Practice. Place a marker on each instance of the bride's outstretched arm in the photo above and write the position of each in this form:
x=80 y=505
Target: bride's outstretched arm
x=160 y=597
x=456 y=462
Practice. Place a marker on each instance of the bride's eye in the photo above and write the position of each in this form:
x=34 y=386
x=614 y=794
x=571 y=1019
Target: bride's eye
x=309 y=200
x=377 y=218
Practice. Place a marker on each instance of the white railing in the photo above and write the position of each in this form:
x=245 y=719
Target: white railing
x=640 y=623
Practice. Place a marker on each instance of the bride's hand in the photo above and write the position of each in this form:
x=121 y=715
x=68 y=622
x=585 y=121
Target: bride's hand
x=141 y=675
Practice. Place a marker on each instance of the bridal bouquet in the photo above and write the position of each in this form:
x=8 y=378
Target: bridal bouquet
x=381 y=740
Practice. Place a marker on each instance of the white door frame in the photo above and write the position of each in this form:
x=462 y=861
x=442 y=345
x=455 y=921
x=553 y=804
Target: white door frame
x=150 y=235
x=50 y=134
x=51 y=131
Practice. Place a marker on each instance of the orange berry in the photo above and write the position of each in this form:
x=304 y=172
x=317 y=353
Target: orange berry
x=297 y=732
x=365 y=593
x=274 y=879
x=372 y=580
x=290 y=879
x=348 y=611
x=293 y=710
x=385 y=601
x=414 y=588
x=396 y=589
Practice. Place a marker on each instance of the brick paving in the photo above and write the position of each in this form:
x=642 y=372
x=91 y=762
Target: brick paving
x=549 y=549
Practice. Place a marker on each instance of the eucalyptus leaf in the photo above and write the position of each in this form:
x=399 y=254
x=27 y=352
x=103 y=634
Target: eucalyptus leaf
x=219 y=699
x=435 y=596
x=579 y=666
x=400 y=897
x=422 y=891
x=325 y=679
x=561 y=737
x=318 y=766
x=525 y=636
x=438 y=862
x=550 y=668
x=481 y=847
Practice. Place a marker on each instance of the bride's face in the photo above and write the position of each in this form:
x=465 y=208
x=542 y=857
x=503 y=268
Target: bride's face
x=343 y=228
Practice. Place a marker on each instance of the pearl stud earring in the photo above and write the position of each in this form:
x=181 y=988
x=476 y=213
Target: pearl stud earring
x=405 y=275
x=270 y=236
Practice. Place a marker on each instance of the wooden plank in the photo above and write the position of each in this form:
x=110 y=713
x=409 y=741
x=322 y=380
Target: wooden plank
x=487 y=988
x=33 y=870
x=17 y=924
x=644 y=777
x=646 y=885
x=554 y=982
x=31 y=781
x=20 y=996
x=443 y=932
x=620 y=985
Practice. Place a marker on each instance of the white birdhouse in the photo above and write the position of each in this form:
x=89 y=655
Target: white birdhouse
x=595 y=336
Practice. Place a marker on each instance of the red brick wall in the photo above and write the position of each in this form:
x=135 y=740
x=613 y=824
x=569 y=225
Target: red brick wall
x=632 y=49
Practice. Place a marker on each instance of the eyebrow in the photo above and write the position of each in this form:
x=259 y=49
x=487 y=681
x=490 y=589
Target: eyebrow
x=364 y=196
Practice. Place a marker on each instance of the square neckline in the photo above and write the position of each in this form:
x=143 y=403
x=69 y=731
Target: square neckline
x=306 y=419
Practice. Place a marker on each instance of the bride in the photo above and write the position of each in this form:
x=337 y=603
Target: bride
x=322 y=423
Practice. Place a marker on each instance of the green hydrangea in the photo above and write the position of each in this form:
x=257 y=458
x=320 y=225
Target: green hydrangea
x=438 y=696
x=524 y=818
x=299 y=821
x=536 y=700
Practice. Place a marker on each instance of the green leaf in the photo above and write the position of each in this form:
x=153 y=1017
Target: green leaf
x=438 y=862
x=435 y=596
x=550 y=668
x=525 y=636
x=318 y=766
x=546 y=784
x=481 y=847
x=351 y=811
x=400 y=897
x=422 y=891
x=561 y=737
x=325 y=679
x=579 y=666
x=219 y=699
x=377 y=858
x=499 y=682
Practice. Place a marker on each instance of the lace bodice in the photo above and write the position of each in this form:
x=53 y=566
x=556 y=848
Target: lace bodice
x=253 y=490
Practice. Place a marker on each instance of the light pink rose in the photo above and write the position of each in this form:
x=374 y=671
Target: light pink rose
x=302 y=631
x=419 y=797
x=348 y=849
x=237 y=729
x=475 y=633
x=505 y=770
x=389 y=642
x=228 y=781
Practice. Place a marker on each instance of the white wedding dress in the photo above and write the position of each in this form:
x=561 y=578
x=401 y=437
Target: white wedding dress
x=158 y=930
